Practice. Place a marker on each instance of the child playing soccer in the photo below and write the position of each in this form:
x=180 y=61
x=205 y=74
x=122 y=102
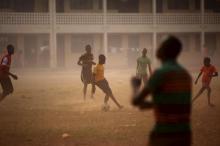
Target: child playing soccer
x=170 y=87
x=102 y=83
x=208 y=71
x=143 y=63
x=86 y=61
x=5 y=80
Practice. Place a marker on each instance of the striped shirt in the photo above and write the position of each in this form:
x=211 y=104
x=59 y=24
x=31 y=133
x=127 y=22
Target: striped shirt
x=171 y=89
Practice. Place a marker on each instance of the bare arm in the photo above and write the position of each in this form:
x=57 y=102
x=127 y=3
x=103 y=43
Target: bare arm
x=139 y=97
x=150 y=69
x=215 y=74
x=198 y=77
x=12 y=75
x=79 y=62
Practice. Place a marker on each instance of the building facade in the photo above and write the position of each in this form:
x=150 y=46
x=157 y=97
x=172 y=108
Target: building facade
x=53 y=33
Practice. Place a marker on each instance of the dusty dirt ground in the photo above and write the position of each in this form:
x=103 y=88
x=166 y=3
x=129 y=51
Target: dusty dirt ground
x=46 y=105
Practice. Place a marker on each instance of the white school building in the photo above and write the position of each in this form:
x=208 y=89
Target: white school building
x=53 y=33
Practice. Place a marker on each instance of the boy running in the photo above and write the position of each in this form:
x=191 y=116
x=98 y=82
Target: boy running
x=86 y=61
x=208 y=71
x=143 y=63
x=170 y=87
x=102 y=83
x=5 y=80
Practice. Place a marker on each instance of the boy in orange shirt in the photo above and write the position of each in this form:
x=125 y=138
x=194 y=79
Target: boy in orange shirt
x=208 y=71
x=102 y=83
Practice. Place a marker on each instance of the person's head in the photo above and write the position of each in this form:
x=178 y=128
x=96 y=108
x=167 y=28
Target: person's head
x=88 y=49
x=144 y=52
x=102 y=59
x=207 y=61
x=10 y=49
x=169 y=49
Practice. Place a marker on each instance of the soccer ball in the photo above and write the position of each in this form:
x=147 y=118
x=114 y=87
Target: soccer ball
x=105 y=107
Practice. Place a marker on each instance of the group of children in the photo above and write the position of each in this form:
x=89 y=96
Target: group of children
x=170 y=87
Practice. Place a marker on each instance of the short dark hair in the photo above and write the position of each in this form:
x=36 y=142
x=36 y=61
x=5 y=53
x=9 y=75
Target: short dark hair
x=88 y=47
x=207 y=59
x=102 y=59
x=170 y=48
x=10 y=49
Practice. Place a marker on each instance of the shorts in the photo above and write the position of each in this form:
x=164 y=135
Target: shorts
x=205 y=84
x=7 y=86
x=104 y=86
x=170 y=139
x=86 y=76
x=143 y=77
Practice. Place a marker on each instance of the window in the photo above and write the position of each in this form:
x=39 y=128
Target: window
x=178 y=4
x=81 y=4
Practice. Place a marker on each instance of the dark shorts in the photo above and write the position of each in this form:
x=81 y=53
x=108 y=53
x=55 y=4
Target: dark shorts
x=174 y=139
x=86 y=76
x=104 y=86
x=7 y=86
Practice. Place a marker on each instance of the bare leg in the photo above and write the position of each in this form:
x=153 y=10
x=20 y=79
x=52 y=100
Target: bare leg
x=209 y=95
x=93 y=90
x=84 y=91
x=115 y=101
x=3 y=96
x=106 y=99
x=199 y=93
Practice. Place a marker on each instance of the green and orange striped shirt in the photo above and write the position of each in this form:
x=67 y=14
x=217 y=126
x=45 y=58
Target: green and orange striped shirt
x=171 y=87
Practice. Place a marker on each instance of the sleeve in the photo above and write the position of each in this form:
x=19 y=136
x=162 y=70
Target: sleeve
x=155 y=81
x=5 y=61
x=202 y=69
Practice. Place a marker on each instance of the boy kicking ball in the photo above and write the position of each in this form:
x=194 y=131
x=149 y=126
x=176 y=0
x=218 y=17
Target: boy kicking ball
x=5 y=80
x=208 y=71
x=102 y=83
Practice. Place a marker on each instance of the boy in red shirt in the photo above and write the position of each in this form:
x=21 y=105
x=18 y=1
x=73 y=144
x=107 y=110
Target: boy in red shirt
x=208 y=71
x=5 y=80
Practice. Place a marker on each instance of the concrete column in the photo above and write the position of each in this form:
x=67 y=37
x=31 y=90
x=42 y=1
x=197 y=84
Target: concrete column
x=124 y=42
x=105 y=36
x=97 y=45
x=192 y=42
x=67 y=6
x=67 y=50
x=53 y=37
x=20 y=45
x=154 y=49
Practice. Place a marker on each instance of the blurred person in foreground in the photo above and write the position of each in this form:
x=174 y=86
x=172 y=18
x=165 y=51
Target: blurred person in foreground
x=171 y=88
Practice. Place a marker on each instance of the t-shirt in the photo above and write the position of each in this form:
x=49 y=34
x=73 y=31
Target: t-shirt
x=5 y=65
x=142 y=63
x=207 y=73
x=99 y=72
x=171 y=87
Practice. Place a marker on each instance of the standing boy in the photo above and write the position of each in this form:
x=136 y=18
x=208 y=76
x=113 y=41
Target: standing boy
x=208 y=71
x=170 y=87
x=5 y=80
x=86 y=61
x=143 y=63
x=102 y=83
